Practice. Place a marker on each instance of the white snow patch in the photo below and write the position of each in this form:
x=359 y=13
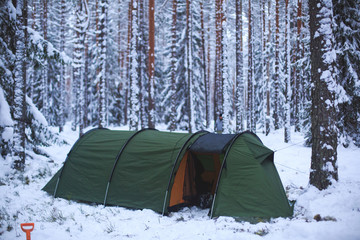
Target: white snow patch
x=35 y=112
x=339 y=206
x=5 y=117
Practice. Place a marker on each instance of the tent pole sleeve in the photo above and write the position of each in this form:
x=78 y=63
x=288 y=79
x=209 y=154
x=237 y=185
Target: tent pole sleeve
x=163 y=211
x=118 y=158
x=221 y=169
x=56 y=187
x=106 y=193
x=212 y=206
x=175 y=162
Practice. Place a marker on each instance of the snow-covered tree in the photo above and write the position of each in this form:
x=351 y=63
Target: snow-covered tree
x=227 y=83
x=101 y=72
x=287 y=74
x=134 y=103
x=172 y=90
x=347 y=36
x=19 y=106
x=324 y=169
x=62 y=5
x=218 y=92
x=250 y=115
x=239 y=99
x=82 y=23
x=276 y=83
x=151 y=66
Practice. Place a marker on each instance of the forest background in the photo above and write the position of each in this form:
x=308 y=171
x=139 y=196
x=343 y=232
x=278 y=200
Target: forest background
x=175 y=63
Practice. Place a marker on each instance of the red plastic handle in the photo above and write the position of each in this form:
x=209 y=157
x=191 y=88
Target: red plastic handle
x=27 y=230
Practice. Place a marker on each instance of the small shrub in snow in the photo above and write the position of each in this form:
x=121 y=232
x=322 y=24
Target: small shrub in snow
x=110 y=228
x=56 y=216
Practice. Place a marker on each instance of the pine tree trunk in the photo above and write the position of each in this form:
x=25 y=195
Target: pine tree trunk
x=172 y=126
x=20 y=86
x=79 y=65
x=188 y=64
x=62 y=67
x=263 y=64
x=239 y=100
x=128 y=63
x=218 y=59
x=144 y=120
x=267 y=123
x=277 y=69
x=45 y=84
x=134 y=104
x=323 y=110
x=205 y=75
x=87 y=83
x=287 y=74
x=151 y=107
x=298 y=78
x=250 y=97
x=102 y=65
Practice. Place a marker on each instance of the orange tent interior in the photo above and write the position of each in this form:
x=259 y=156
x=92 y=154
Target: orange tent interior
x=195 y=181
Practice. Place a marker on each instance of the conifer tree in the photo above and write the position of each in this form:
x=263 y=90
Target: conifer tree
x=324 y=168
x=239 y=104
x=347 y=36
x=287 y=74
x=102 y=65
x=20 y=86
x=277 y=67
x=151 y=66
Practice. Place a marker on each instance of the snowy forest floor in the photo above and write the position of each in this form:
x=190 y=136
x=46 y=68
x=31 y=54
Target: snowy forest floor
x=337 y=208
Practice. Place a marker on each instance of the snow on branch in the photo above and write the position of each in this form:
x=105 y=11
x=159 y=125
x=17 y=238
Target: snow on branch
x=43 y=49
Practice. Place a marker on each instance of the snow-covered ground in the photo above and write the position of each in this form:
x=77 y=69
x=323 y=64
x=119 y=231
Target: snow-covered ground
x=337 y=208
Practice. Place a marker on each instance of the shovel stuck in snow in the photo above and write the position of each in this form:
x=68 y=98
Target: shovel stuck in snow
x=27 y=230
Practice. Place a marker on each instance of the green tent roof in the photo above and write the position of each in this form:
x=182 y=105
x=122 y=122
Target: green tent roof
x=138 y=170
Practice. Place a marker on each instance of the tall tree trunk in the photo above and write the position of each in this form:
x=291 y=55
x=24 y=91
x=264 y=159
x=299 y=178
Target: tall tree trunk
x=45 y=69
x=323 y=109
x=86 y=76
x=144 y=120
x=250 y=94
x=102 y=65
x=188 y=64
x=239 y=100
x=151 y=107
x=128 y=63
x=263 y=64
x=205 y=75
x=62 y=67
x=20 y=86
x=268 y=117
x=78 y=63
x=218 y=59
x=298 y=75
x=277 y=68
x=172 y=126
x=287 y=74
x=134 y=104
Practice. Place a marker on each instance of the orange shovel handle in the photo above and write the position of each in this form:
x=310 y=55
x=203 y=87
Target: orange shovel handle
x=27 y=230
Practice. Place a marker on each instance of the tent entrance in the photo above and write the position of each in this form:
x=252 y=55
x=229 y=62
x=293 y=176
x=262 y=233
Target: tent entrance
x=195 y=181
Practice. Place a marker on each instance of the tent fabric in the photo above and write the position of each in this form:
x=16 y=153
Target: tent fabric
x=211 y=143
x=159 y=170
x=251 y=174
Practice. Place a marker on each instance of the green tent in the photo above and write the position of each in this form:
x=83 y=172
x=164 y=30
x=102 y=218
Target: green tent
x=232 y=174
